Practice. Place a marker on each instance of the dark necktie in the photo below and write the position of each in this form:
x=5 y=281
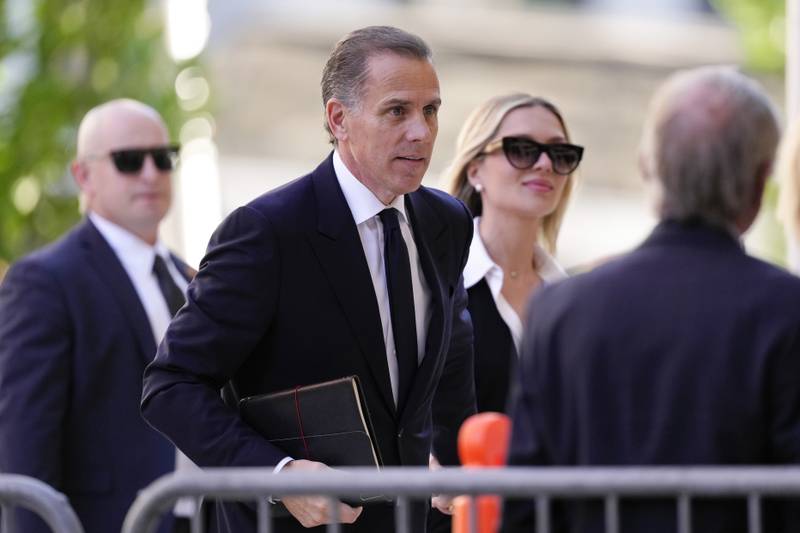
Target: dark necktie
x=401 y=302
x=172 y=294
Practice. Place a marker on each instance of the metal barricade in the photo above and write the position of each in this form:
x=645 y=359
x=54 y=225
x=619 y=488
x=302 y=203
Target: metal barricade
x=542 y=484
x=38 y=497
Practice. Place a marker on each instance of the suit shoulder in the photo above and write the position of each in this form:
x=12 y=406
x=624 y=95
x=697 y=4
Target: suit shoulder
x=286 y=197
x=54 y=265
x=598 y=284
x=757 y=284
x=59 y=255
x=773 y=282
x=772 y=271
x=278 y=210
x=442 y=200
x=284 y=211
x=596 y=276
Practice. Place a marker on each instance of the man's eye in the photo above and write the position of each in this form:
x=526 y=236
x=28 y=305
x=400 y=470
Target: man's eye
x=431 y=110
x=397 y=111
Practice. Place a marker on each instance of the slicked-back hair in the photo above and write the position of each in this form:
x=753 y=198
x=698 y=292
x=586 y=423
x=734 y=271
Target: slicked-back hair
x=479 y=130
x=710 y=134
x=347 y=68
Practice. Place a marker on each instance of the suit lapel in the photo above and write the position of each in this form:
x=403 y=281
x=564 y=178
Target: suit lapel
x=185 y=270
x=430 y=234
x=338 y=247
x=110 y=271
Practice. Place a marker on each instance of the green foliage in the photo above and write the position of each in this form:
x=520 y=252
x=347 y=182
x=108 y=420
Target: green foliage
x=72 y=55
x=762 y=25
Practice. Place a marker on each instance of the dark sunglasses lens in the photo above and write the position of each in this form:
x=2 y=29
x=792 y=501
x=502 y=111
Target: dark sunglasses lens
x=128 y=161
x=565 y=157
x=521 y=153
x=165 y=158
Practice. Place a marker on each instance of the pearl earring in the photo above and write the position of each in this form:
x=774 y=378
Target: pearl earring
x=478 y=187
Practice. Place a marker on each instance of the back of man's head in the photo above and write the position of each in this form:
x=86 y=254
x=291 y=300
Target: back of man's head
x=708 y=143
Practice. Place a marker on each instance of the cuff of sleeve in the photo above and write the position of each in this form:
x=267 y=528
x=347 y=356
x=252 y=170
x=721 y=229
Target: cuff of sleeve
x=278 y=468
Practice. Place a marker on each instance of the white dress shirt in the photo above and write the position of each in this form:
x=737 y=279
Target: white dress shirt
x=480 y=265
x=365 y=207
x=137 y=259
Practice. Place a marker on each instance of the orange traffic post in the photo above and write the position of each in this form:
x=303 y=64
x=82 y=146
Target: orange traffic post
x=482 y=443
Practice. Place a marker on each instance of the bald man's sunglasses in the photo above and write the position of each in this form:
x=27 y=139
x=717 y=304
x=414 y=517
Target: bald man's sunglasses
x=131 y=160
x=523 y=153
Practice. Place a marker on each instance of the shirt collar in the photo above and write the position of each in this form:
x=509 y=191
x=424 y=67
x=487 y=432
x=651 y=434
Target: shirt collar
x=135 y=254
x=362 y=202
x=480 y=264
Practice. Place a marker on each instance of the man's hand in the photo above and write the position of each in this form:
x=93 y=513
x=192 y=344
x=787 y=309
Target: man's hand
x=441 y=502
x=313 y=511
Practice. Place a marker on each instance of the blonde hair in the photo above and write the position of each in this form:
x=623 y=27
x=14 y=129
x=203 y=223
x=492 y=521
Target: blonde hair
x=788 y=172
x=479 y=129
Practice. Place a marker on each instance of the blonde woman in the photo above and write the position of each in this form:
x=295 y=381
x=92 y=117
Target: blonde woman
x=513 y=168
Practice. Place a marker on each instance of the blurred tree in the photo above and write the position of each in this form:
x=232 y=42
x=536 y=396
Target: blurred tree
x=762 y=26
x=59 y=58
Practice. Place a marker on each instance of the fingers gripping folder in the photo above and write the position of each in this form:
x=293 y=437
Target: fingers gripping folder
x=482 y=442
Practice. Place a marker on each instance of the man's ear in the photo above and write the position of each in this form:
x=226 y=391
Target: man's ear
x=80 y=174
x=336 y=115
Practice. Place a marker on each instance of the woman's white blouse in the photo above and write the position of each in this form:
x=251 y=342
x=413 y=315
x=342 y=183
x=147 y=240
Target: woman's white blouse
x=480 y=266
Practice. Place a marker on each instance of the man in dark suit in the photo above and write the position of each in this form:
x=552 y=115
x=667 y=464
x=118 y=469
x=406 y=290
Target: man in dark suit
x=81 y=318
x=353 y=269
x=685 y=351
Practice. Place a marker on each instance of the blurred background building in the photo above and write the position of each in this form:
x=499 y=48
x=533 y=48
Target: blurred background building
x=249 y=113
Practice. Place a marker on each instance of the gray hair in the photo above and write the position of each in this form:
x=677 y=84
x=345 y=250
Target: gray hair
x=711 y=132
x=347 y=67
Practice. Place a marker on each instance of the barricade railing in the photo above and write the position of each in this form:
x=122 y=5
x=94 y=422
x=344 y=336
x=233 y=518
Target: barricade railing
x=25 y=492
x=542 y=484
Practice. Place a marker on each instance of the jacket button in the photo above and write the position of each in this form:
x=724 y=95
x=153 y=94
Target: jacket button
x=400 y=434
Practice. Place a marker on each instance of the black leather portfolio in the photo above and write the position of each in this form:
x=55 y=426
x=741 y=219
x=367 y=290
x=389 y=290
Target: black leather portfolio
x=326 y=422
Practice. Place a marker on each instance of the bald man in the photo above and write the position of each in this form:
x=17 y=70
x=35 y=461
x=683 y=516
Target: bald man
x=80 y=320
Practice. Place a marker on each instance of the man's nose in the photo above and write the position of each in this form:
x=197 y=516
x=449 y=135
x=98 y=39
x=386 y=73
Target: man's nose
x=149 y=170
x=420 y=129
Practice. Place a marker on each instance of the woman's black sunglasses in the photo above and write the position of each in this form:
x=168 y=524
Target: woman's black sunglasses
x=131 y=160
x=523 y=153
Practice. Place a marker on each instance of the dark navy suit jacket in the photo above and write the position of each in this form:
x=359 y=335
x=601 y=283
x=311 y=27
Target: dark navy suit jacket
x=495 y=354
x=284 y=298
x=74 y=341
x=684 y=352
